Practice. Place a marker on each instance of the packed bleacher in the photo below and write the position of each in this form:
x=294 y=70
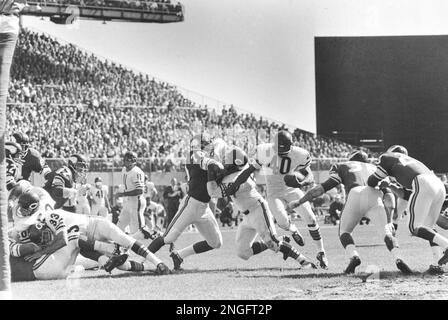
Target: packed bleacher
x=70 y=101
x=145 y=5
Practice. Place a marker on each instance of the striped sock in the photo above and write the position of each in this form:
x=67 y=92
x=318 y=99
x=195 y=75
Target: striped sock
x=315 y=234
x=140 y=249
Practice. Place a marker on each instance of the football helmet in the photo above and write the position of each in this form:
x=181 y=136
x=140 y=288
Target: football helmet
x=40 y=234
x=13 y=151
x=282 y=142
x=358 y=155
x=23 y=140
x=398 y=148
x=28 y=204
x=78 y=165
x=236 y=156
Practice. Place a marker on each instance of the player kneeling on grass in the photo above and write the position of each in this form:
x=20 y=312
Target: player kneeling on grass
x=97 y=229
x=257 y=218
x=362 y=201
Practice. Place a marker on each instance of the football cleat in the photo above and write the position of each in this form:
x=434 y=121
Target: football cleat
x=306 y=264
x=115 y=261
x=444 y=258
x=354 y=262
x=298 y=238
x=162 y=269
x=435 y=270
x=323 y=261
x=149 y=234
x=177 y=260
x=403 y=267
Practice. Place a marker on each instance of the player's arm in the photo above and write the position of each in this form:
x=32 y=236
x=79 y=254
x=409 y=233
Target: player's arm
x=379 y=174
x=233 y=187
x=299 y=178
x=60 y=192
x=106 y=200
x=214 y=173
x=333 y=181
x=42 y=167
x=19 y=249
x=139 y=188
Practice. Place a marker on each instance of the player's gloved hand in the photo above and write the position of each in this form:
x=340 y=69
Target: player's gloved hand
x=389 y=229
x=292 y=205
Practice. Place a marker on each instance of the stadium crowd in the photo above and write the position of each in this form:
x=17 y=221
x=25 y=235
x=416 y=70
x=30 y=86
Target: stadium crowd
x=145 y=5
x=71 y=101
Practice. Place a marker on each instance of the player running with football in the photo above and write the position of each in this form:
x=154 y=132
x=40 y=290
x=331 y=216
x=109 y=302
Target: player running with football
x=426 y=194
x=362 y=201
x=257 y=219
x=286 y=169
x=194 y=208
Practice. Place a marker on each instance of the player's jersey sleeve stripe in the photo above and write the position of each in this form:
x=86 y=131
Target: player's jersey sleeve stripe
x=336 y=178
x=379 y=173
x=382 y=170
x=58 y=181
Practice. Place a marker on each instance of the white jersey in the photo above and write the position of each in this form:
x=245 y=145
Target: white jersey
x=99 y=195
x=132 y=180
x=150 y=190
x=275 y=167
x=155 y=207
x=59 y=219
x=246 y=197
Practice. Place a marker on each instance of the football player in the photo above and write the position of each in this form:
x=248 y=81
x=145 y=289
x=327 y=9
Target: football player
x=30 y=159
x=194 y=208
x=82 y=198
x=362 y=201
x=99 y=194
x=426 y=194
x=12 y=153
x=134 y=203
x=257 y=219
x=62 y=223
x=61 y=183
x=286 y=169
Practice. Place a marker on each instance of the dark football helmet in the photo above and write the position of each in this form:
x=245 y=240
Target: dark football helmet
x=398 y=148
x=23 y=140
x=358 y=155
x=28 y=204
x=282 y=142
x=13 y=151
x=40 y=234
x=78 y=165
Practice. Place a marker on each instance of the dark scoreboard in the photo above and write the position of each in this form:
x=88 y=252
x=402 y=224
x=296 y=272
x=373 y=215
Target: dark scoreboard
x=393 y=89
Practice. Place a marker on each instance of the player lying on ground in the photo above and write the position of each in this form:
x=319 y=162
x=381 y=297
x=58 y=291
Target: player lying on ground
x=286 y=169
x=426 y=194
x=362 y=201
x=61 y=222
x=59 y=264
x=194 y=209
x=257 y=218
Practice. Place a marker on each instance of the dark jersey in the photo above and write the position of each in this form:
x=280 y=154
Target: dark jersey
x=199 y=174
x=33 y=162
x=351 y=174
x=61 y=178
x=401 y=167
x=12 y=173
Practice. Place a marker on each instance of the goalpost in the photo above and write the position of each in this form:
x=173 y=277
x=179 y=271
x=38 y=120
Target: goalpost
x=9 y=29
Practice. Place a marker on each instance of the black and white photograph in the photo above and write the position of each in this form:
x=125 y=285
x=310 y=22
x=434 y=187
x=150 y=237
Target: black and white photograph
x=211 y=151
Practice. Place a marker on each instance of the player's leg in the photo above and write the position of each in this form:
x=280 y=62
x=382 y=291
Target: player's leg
x=125 y=217
x=278 y=209
x=263 y=222
x=94 y=210
x=186 y=214
x=208 y=227
x=106 y=229
x=350 y=217
x=306 y=213
x=245 y=245
x=137 y=217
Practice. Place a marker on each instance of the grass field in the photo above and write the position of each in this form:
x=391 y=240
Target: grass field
x=222 y=275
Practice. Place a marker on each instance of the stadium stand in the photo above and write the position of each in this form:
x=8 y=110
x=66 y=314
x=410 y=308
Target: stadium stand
x=71 y=101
